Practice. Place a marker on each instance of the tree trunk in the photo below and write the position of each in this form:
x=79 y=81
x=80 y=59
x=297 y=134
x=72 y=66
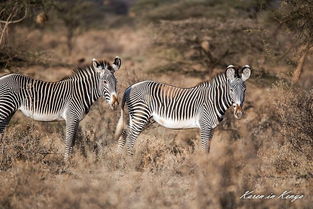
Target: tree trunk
x=297 y=73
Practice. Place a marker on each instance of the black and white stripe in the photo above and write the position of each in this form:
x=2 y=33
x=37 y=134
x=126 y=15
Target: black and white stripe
x=69 y=99
x=202 y=106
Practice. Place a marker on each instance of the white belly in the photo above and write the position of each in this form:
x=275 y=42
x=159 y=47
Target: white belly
x=176 y=124
x=41 y=117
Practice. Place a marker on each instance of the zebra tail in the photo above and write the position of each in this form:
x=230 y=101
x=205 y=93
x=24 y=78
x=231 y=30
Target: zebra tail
x=120 y=124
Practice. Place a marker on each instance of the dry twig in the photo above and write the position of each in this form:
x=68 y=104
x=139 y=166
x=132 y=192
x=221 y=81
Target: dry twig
x=8 y=21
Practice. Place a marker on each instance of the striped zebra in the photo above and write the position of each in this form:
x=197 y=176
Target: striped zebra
x=202 y=106
x=69 y=99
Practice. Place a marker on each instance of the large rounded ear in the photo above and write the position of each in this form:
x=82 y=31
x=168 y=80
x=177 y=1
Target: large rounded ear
x=230 y=72
x=96 y=64
x=246 y=72
x=117 y=63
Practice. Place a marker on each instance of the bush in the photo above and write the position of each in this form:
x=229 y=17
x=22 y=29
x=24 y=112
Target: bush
x=294 y=110
x=197 y=46
x=156 y=10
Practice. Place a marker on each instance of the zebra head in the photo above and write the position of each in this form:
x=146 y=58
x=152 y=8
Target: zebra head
x=107 y=80
x=237 y=88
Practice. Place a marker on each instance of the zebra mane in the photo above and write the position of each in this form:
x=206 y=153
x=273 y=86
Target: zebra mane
x=215 y=80
x=83 y=69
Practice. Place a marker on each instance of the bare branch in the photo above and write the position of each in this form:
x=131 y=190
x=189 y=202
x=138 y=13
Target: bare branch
x=8 y=21
x=5 y=28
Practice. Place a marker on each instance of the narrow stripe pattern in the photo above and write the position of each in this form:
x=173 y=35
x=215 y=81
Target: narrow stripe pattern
x=69 y=99
x=202 y=106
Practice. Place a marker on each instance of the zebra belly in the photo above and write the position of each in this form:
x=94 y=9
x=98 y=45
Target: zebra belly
x=176 y=124
x=42 y=117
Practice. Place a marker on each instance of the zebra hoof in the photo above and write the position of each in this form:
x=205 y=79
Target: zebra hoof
x=130 y=153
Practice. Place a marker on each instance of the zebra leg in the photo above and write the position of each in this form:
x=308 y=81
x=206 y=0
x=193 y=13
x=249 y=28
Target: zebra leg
x=71 y=128
x=9 y=103
x=5 y=117
x=135 y=128
x=206 y=136
x=6 y=114
x=122 y=141
x=3 y=124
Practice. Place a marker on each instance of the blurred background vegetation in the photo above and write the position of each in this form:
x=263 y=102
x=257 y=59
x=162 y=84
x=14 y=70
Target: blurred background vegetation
x=180 y=42
x=194 y=36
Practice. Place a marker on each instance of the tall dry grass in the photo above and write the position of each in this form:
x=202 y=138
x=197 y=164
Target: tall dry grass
x=268 y=151
x=167 y=170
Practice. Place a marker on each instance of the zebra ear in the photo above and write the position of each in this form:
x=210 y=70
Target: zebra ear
x=246 y=72
x=230 y=72
x=96 y=64
x=117 y=63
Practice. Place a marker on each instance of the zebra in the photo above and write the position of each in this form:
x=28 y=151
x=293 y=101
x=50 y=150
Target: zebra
x=69 y=99
x=202 y=106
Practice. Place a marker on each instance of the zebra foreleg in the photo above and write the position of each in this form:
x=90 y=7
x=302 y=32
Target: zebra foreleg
x=71 y=129
x=5 y=117
x=206 y=136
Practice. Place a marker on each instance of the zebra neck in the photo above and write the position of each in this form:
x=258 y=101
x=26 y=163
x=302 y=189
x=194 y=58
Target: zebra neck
x=88 y=92
x=92 y=96
x=222 y=100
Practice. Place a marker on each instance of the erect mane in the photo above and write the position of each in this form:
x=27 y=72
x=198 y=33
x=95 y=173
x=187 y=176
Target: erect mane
x=212 y=80
x=79 y=70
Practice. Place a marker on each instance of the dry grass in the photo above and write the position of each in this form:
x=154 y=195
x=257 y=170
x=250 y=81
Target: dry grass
x=268 y=151
x=167 y=170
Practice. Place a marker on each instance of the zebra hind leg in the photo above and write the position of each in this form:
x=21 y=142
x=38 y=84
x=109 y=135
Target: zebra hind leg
x=122 y=141
x=4 y=121
x=134 y=130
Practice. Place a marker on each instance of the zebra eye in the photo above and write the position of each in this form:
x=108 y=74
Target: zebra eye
x=105 y=82
x=231 y=90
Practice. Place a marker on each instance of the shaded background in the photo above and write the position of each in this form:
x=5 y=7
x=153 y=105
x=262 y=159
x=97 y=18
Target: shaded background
x=180 y=42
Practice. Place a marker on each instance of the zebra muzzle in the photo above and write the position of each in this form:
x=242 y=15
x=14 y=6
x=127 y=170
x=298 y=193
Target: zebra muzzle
x=114 y=101
x=238 y=111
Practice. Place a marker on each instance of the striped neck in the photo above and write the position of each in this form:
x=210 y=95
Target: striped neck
x=220 y=94
x=86 y=80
